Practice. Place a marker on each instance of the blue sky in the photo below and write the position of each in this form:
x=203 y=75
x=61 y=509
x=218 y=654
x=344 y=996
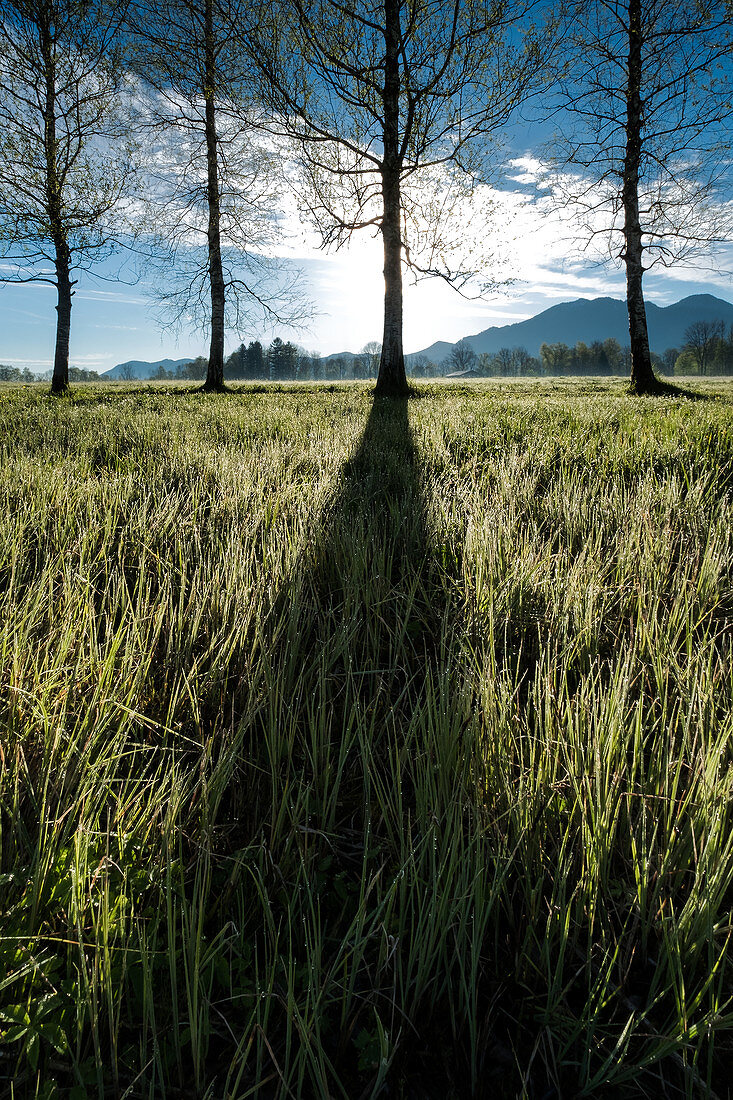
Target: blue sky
x=517 y=231
x=113 y=322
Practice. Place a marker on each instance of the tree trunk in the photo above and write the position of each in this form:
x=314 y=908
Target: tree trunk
x=642 y=379
x=391 y=379
x=54 y=209
x=215 y=372
x=60 y=379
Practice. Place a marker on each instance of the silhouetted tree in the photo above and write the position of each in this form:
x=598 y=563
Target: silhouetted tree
x=255 y=366
x=339 y=367
x=554 y=358
x=701 y=342
x=212 y=186
x=614 y=356
x=15 y=374
x=380 y=95
x=524 y=363
x=360 y=366
x=234 y=363
x=504 y=362
x=669 y=358
x=281 y=360
x=462 y=357
x=196 y=370
x=81 y=374
x=65 y=160
x=418 y=365
x=643 y=86
x=372 y=353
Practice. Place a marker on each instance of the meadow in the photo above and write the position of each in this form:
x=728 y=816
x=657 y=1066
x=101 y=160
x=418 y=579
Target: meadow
x=357 y=749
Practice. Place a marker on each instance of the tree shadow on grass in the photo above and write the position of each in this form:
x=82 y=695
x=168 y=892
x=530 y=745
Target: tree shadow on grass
x=96 y=393
x=356 y=628
x=671 y=391
x=347 y=758
x=373 y=561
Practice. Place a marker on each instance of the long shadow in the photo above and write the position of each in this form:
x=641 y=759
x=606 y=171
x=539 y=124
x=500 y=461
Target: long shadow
x=363 y=608
x=373 y=559
x=96 y=393
x=355 y=628
x=356 y=642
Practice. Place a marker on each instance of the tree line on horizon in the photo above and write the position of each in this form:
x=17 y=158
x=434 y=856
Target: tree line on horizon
x=177 y=128
x=708 y=350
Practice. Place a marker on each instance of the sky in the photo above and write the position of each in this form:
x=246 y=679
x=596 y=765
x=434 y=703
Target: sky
x=527 y=242
x=521 y=237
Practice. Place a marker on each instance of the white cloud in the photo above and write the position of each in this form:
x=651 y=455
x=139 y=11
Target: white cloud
x=38 y=364
x=113 y=297
x=523 y=233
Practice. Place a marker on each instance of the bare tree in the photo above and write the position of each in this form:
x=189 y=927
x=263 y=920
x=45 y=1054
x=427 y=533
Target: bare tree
x=504 y=362
x=214 y=191
x=669 y=358
x=391 y=103
x=641 y=85
x=372 y=352
x=523 y=362
x=420 y=366
x=65 y=162
x=701 y=341
x=462 y=357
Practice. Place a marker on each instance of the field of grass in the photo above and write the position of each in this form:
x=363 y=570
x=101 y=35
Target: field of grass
x=355 y=749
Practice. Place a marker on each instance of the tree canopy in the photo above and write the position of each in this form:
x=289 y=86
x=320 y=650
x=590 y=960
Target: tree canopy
x=392 y=104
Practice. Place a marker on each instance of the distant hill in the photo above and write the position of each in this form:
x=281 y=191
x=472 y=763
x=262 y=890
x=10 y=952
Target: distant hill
x=338 y=355
x=593 y=319
x=141 y=369
x=584 y=319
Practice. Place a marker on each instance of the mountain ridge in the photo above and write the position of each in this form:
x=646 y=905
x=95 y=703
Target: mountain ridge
x=583 y=319
x=589 y=319
x=142 y=369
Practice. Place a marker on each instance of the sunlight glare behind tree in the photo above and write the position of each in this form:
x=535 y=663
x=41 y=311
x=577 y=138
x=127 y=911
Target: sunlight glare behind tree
x=392 y=104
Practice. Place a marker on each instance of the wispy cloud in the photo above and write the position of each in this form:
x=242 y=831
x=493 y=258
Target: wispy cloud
x=528 y=243
x=117 y=328
x=32 y=364
x=112 y=297
x=13 y=311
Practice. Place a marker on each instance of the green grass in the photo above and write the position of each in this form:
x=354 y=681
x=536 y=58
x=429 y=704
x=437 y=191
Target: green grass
x=357 y=750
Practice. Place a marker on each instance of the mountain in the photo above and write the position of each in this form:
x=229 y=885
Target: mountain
x=138 y=368
x=593 y=319
x=441 y=349
x=338 y=355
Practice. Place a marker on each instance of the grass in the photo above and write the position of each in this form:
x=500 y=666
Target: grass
x=358 y=749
